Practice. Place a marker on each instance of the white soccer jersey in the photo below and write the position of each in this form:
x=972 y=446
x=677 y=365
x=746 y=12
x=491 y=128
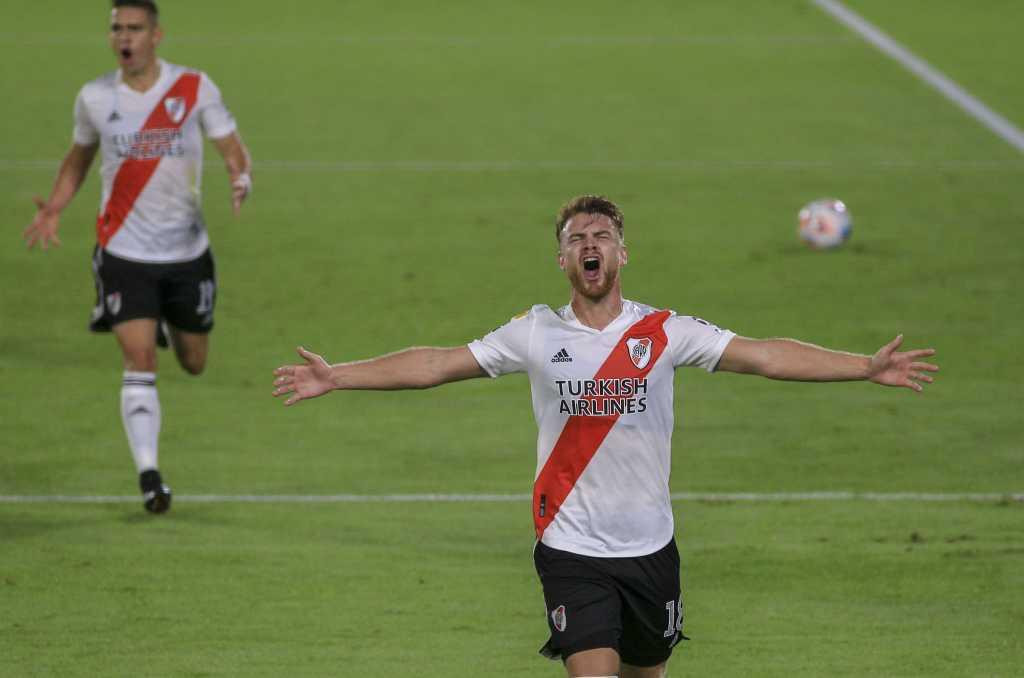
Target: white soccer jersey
x=603 y=405
x=152 y=160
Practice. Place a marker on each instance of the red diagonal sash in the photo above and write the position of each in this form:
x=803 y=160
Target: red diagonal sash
x=583 y=435
x=137 y=169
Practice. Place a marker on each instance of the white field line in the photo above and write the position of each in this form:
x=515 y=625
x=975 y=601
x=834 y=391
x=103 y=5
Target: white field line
x=485 y=41
x=722 y=497
x=1006 y=130
x=358 y=166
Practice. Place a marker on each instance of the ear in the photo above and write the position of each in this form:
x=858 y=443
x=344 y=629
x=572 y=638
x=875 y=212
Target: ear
x=158 y=35
x=561 y=260
x=623 y=257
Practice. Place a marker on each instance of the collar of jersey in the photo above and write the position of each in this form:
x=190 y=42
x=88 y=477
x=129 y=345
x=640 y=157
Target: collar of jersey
x=568 y=316
x=164 y=71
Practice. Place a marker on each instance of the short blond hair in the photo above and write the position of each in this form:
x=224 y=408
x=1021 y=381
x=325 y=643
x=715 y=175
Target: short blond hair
x=588 y=204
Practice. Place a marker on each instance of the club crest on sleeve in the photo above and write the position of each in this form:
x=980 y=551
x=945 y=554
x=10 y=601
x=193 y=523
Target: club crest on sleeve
x=558 y=617
x=639 y=351
x=175 y=107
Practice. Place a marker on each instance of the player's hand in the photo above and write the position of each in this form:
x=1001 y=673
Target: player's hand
x=43 y=229
x=241 y=187
x=890 y=367
x=303 y=381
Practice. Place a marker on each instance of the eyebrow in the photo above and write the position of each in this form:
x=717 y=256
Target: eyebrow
x=579 y=234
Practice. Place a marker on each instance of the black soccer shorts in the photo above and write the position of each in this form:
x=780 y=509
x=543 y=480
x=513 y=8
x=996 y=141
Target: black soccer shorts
x=183 y=293
x=632 y=605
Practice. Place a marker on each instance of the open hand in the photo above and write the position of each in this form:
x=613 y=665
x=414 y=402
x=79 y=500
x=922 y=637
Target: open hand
x=892 y=368
x=303 y=381
x=43 y=229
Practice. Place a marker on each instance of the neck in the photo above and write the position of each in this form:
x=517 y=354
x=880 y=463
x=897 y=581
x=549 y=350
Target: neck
x=144 y=78
x=597 y=313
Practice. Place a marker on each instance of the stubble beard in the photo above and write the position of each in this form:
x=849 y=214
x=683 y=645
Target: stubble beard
x=593 y=292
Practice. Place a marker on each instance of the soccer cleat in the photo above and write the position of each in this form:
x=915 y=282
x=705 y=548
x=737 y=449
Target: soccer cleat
x=163 y=334
x=156 y=497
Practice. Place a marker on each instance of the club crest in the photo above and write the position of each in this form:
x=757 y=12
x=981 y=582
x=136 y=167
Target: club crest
x=175 y=107
x=114 y=303
x=558 y=617
x=639 y=351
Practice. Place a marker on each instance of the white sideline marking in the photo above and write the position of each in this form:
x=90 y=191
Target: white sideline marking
x=515 y=498
x=1010 y=133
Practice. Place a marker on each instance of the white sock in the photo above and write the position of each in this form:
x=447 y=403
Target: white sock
x=140 y=412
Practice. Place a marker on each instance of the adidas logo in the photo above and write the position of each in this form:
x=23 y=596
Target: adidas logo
x=114 y=117
x=561 y=357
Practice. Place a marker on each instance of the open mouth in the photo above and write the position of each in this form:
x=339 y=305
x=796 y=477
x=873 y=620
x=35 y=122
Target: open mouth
x=126 y=53
x=591 y=263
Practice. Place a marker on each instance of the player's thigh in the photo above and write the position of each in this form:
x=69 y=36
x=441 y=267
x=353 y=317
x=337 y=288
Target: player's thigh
x=125 y=290
x=652 y=608
x=137 y=338
x=629 y=671
x=188 y=297
x=583 y=609
x=188 y=292
x=601 y=661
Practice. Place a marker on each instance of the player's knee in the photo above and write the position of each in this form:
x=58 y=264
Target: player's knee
x=191 y=355
x=194 y=369
x=192 y=363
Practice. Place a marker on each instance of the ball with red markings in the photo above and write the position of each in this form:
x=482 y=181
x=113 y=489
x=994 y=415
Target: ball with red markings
x=825 y=224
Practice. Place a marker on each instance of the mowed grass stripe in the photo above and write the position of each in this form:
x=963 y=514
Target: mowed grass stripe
x=514 y=498
x=497 y=165
x=411 y=41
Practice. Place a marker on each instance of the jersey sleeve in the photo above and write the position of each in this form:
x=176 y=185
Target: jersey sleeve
x=214 y=116
x=506 y=349
x=84 y=132
x=695 y=342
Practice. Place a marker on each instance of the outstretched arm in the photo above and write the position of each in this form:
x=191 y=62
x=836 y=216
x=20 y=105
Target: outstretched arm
x=43 y=229
x=420 y=367
x=797 y=361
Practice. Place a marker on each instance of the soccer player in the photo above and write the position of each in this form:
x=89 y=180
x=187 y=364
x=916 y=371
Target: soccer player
x=601 y=373
x=152 y=265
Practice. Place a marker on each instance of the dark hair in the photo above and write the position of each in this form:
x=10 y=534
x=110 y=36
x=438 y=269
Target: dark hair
x=148 y=5
x=588 y=204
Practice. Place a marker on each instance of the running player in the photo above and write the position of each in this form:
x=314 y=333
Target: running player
x=152 y=264
x=601 y=373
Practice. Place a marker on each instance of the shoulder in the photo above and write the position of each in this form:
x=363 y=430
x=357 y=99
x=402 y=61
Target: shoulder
x=524 y=321
x=533 y=313
x=175 y=71
x=178 y=70
x=691 y=327
x=639 y=310
x=204 y=78
x=646 y=313
x=99 y=87
x=673 y=319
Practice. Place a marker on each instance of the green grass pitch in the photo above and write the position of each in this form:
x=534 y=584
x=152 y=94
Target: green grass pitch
x=409 y=159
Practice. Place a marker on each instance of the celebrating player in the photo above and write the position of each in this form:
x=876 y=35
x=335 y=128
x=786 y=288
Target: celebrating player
x=152 y=264
x=601 y=372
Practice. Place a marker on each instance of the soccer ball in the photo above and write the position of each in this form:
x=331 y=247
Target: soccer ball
x=825 y=224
